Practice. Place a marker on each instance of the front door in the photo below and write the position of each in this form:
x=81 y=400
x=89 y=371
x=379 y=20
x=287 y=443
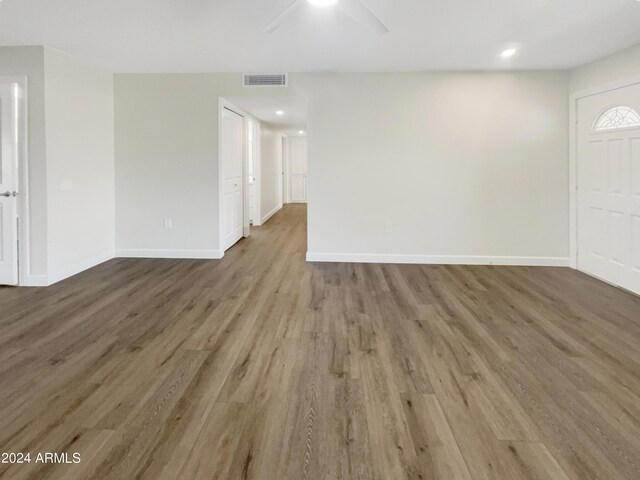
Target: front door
x=609 y=186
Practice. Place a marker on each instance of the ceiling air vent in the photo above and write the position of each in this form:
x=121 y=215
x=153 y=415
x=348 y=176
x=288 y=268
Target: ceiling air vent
x=264 y=79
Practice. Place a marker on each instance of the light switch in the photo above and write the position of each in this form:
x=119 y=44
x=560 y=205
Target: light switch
x=168 y=223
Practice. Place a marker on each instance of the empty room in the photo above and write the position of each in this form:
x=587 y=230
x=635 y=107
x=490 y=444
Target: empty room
x=320 y=240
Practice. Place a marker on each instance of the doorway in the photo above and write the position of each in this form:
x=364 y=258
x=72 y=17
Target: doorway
x=253 y=131
x=608 y=178
x=295 y=169
x=232 y=181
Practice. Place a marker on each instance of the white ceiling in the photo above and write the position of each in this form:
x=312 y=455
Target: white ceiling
x=227 y=35
x=265 y=108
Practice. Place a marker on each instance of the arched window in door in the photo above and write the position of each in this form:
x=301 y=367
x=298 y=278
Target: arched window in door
x=617 y=117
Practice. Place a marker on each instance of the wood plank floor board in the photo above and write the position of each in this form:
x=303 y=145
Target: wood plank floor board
x=573 y=442
x=435 y=445
x=263 y=366
x=213 y=451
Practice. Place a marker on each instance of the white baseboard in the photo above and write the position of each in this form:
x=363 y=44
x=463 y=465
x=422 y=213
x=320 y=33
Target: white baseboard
x=158 y=253
x=270 y=214
x=437 y=259
x=46 y=280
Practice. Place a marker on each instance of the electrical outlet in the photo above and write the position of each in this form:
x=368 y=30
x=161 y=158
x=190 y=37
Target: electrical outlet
x=388 y=227
x=168 y=223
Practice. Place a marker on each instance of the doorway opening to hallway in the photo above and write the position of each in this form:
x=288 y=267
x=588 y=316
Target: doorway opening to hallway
x=263 y=161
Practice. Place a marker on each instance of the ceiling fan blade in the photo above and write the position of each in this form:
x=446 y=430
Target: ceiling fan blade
x=359 y=11
x=284 y=15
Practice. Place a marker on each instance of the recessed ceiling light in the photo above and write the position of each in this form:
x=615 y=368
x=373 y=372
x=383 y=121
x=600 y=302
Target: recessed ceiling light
x=323 y=3
x=279 y=112
x=509 y=52
x=301 y=132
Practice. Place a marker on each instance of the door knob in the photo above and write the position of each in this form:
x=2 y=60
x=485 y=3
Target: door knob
x=9 y=194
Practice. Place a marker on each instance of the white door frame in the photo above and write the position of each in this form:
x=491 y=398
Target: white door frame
x=281 y=176
x=246 y=228
x=24 y=267
x=256 y=168
x=281 y=189
x=573 y=157
x=286 y=194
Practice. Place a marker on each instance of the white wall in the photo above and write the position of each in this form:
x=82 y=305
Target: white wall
x=270 y=170
x=460 y=164
x=29 y=62
x=166 y=162
x=620 y=65
x=80 y=169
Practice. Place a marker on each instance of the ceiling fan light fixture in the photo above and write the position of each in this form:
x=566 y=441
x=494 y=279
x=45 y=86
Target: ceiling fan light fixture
x=322 y=3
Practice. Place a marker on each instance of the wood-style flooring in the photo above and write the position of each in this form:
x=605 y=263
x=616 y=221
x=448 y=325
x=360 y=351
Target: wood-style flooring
x=262 y=366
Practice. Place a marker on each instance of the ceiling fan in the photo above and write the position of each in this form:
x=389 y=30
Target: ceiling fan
x=358 y=10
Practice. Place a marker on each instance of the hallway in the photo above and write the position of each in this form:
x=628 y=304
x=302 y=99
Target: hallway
x=262 y=366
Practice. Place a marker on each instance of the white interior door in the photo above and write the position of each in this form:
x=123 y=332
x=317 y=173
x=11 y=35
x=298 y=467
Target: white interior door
x=609 y=186
x=297 y=152
x=232 y=180
x=8 y=187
